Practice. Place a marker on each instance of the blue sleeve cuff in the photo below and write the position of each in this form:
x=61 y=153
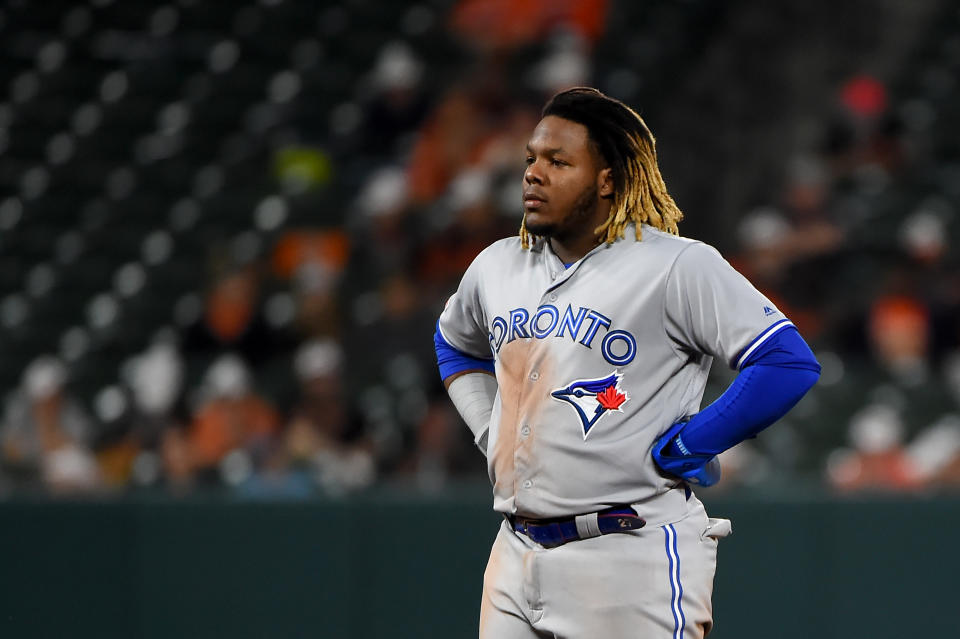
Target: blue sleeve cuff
x=451 y=361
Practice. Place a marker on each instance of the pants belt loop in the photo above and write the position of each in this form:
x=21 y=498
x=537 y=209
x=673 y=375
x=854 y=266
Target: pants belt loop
x=587 y=525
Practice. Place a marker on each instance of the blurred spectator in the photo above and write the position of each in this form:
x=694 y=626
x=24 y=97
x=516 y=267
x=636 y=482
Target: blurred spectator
x=46 y=434
x=443 y=448
x=397 y=103
x=299 y=168
x=903 y=398
x=935 y=454
x=313 y=262
x=448 y=142
x=504 y=152
x=878 y=459
x=325 y=437
x=566 y=64
x=232 y=320
x=394 y=321
x=176 y=460
x=387 y=229
x=234 y=430
x=315 y=290
x=156 y=414
x=744 y=464
x=864 y=138
x=941 y=442
x=924 y=236
x=806 y=203
x=298 y=248
x=899 y=330
x=156 y=383
x=788 y=248
x=473 y=224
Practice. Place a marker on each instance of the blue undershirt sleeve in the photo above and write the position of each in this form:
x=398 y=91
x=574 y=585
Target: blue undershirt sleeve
x=451 y=361
x=771 y=381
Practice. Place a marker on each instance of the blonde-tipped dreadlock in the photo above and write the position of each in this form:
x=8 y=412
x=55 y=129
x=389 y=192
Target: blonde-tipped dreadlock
x=626 y=144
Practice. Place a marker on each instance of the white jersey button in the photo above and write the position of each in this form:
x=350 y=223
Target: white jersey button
x=525 y=431
x=534 y=376
x=553 y=297
x=527 y=484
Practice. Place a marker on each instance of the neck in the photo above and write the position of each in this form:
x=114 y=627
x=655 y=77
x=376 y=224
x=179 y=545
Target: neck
x=571 y=250
x=572 y=246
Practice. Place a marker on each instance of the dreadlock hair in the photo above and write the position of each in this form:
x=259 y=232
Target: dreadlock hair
x=625 y=143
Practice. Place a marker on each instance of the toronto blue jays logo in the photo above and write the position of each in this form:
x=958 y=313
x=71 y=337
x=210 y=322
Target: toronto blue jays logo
x=593 y=398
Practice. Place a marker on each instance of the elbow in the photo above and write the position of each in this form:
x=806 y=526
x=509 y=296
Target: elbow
x=809 y=379
x=811 y=373
x=803 y=381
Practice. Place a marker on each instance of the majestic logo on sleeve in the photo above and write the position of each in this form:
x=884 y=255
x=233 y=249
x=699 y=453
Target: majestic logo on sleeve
x=593 y=398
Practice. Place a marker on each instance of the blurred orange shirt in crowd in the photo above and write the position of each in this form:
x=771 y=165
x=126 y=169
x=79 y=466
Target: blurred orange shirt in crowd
x=447 y=142
x=329 y=247
x=887 y=470
x=227 y=424
x=498 y=24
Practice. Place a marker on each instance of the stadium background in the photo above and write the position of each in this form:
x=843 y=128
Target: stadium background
x=226 y=231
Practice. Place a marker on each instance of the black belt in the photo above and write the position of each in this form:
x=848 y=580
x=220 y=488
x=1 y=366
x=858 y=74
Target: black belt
x=551 y=533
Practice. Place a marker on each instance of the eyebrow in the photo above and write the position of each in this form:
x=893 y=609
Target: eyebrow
x=552 y=151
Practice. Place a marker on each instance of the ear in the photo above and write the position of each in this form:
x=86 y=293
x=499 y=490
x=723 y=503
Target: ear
x=605 y=183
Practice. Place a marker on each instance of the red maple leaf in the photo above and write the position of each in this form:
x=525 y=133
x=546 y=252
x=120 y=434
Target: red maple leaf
x=610 y=398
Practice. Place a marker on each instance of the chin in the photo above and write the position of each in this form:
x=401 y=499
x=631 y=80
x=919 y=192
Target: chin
x=544 y=229
x=540 y=227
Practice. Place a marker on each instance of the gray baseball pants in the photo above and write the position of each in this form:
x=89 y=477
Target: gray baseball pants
x=652 y=583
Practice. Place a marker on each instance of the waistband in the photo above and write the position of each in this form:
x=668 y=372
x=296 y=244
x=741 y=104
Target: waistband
x=551 y=533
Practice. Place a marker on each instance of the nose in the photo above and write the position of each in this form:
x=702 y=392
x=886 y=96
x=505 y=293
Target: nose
x=532 y=174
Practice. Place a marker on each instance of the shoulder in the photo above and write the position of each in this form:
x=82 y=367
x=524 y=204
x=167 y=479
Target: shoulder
x=664 y=247
x=502 y=253
x=503 y=247
x=492 y=263
x=671 y=255
x=667 y=241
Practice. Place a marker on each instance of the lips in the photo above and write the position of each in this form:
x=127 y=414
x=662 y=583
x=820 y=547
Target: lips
x=533 y=200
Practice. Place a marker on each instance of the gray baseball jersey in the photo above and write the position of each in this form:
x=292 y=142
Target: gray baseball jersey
x=595 y=361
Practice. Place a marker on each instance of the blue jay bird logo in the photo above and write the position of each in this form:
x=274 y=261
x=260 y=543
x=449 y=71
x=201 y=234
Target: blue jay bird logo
x=593 y=398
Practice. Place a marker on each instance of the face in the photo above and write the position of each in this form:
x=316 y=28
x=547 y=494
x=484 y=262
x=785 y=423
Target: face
x=565 y=184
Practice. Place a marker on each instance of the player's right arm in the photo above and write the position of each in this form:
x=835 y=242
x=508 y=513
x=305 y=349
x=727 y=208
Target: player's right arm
x=471 y=385
x=464 y=357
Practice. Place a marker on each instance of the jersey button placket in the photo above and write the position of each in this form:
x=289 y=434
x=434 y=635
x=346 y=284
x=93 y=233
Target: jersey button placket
x=521 y=454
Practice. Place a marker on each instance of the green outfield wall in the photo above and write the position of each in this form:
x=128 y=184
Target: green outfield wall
x=394 y=565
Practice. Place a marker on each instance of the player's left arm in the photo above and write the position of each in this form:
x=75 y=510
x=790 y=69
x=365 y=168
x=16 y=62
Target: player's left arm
x=773 y=378
x=712 y=309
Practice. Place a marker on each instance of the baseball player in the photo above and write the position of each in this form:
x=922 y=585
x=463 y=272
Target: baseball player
x=577 y=353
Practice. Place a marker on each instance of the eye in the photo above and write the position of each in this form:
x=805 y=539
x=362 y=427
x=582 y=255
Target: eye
x=529 y=160
x=556 y=162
